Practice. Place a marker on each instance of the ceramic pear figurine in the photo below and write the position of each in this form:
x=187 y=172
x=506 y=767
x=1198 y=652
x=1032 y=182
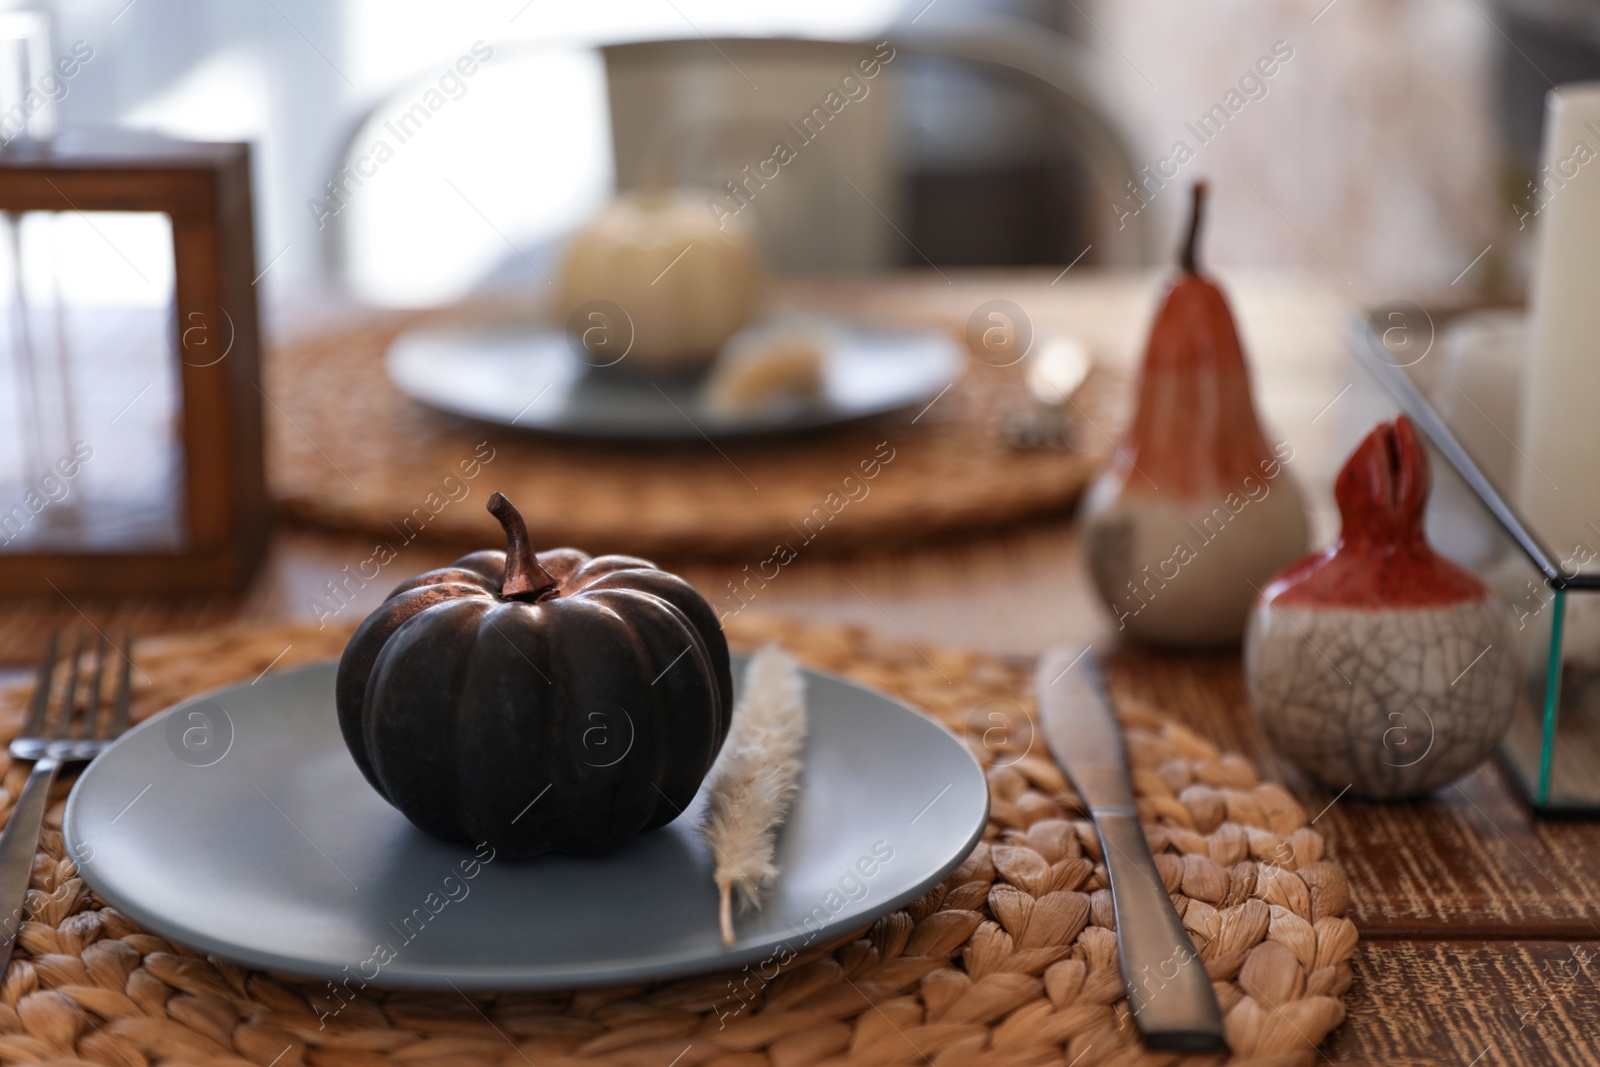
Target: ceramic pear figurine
x=1194 y=510
x=1377 y=664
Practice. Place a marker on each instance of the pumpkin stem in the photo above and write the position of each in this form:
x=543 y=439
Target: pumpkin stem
x=1188 y=256
x=525 y=580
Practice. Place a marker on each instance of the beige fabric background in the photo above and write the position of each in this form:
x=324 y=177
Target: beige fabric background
x=1373 y=153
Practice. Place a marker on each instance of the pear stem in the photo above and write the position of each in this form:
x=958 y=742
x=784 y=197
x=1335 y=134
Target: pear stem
x=525 y=580
x=1188 y=257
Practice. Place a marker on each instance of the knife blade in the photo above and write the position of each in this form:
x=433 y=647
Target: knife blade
x=1169 y=992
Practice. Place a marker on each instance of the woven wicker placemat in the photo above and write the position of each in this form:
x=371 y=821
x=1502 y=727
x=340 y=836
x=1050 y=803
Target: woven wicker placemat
x=1012 y=960
x=347 y=450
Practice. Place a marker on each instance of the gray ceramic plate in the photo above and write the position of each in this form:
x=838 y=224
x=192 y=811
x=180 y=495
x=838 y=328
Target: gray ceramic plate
x=237 y=823
x=526 y=376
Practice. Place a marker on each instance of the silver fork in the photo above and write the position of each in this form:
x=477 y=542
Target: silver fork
x=74 y=732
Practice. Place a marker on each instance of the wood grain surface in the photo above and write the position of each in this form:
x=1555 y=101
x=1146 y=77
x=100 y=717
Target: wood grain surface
x=1472 y=1004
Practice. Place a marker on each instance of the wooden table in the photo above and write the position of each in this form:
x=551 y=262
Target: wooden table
x=1480 y=924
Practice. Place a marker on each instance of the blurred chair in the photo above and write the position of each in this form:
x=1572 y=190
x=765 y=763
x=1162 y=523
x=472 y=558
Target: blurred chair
x=972 y=144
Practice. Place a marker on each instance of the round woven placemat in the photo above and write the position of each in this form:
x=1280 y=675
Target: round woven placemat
x=346 y=449
x=1012 y=960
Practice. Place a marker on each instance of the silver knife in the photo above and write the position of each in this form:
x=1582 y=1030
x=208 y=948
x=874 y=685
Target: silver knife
x=1168 y=989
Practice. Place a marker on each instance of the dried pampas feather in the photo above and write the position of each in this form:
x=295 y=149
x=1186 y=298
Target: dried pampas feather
x=755 y=778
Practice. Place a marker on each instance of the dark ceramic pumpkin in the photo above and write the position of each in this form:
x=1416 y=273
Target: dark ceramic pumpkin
x=542 y=702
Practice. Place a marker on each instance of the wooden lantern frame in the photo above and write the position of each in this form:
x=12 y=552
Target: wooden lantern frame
x=204 y=188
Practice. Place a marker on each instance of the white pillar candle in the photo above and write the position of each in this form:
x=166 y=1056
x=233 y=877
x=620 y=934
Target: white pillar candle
x=1558 y=478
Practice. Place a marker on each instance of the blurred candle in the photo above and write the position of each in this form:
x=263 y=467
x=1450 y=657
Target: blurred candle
x=1481 y=394
x=1558 y=478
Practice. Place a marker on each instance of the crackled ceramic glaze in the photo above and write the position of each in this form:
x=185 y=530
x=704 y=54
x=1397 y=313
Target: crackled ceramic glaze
x=1377 y=664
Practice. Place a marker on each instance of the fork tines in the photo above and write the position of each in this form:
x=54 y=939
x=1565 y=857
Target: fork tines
x=77 y=715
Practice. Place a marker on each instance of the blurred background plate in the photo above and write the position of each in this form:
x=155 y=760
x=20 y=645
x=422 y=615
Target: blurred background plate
x=279 y=855
x=523 y=375
x=348 y=450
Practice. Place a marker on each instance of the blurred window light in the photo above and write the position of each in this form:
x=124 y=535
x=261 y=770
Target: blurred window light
x=110 y=259
x=224 y=97
x=391 y=39
x=449 y=184
x=89 y=381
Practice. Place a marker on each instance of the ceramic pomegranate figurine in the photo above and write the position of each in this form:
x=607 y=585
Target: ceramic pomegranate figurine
x=1194 y=511
x=1378 y=664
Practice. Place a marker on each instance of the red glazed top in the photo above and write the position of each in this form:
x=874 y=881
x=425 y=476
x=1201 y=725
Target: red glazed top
x=1382 y=558
x=1195 y=426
